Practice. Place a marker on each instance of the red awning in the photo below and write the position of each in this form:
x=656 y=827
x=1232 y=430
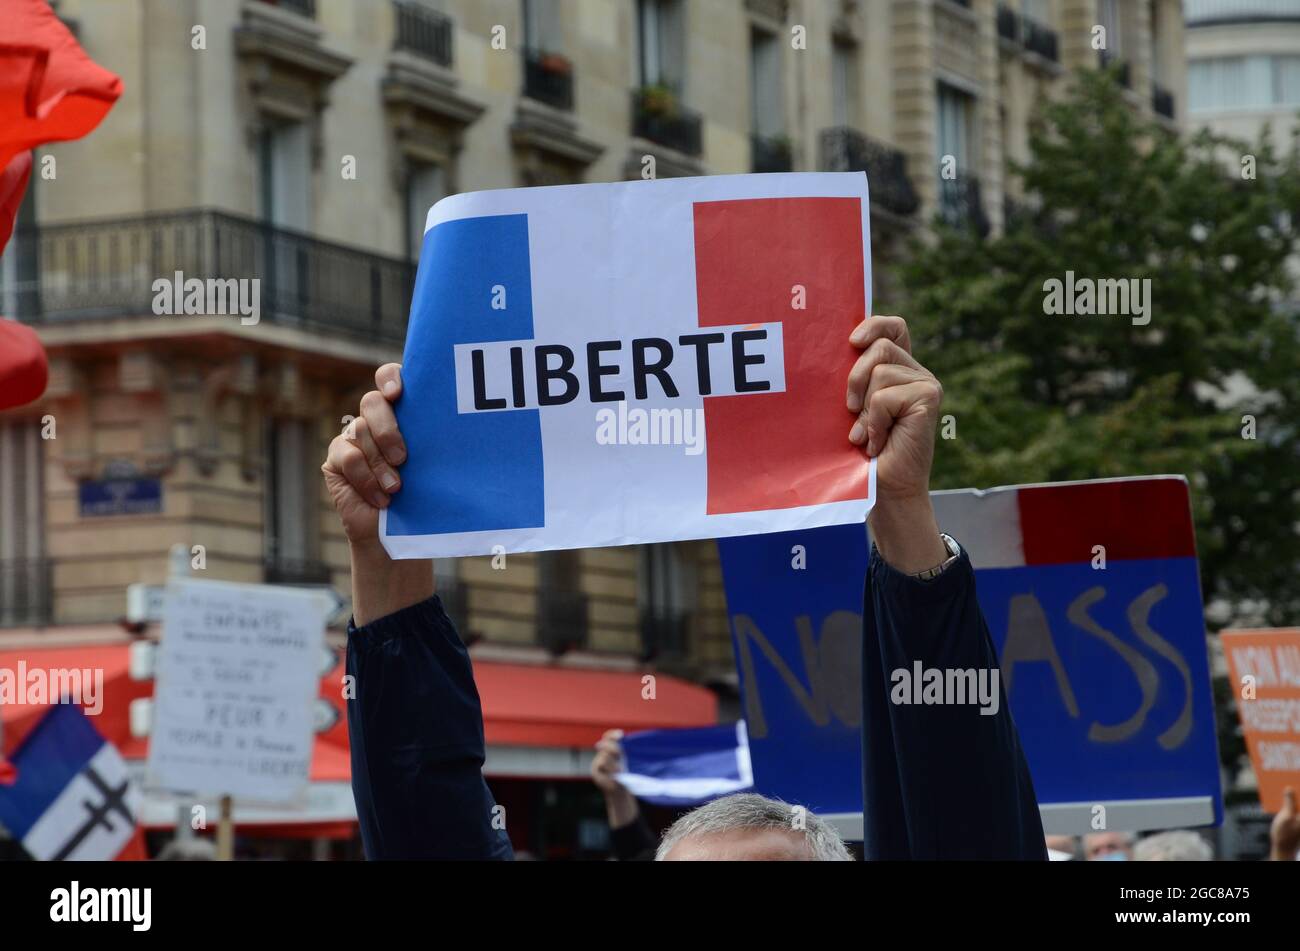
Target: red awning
x=525 y=705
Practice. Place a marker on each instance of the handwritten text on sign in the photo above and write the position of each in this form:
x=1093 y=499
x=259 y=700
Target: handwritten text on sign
x=236 y=684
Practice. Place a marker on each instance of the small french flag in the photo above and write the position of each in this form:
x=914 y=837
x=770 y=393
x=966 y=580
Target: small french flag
x=689 y=766
x=1129 y=519
x=72 y=798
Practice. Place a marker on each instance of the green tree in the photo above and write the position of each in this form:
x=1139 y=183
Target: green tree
x=1040 y=398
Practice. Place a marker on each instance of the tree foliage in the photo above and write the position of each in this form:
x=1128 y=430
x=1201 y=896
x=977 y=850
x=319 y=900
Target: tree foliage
x=1041 y=398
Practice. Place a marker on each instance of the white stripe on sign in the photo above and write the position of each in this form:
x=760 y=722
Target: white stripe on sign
x=986 y=524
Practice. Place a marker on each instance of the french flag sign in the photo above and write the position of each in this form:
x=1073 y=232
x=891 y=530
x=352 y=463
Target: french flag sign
x=72 y=798
x=615 y=364
x=1092 y=596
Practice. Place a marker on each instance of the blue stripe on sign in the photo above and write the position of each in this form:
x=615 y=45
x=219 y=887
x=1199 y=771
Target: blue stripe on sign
x=51 y=757
x=477 y=471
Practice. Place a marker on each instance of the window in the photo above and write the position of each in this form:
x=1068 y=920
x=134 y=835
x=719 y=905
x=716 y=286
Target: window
x=844 y=83
x=661 y=43
x=1108 y=15
x=667 y=597
x=292 y=509
x=542 y=32
x=24 y=575
x=767 y=112
x=1243 y=82
x=425 y=186
x=285 y=162
x=955 y=111
x=561 y=605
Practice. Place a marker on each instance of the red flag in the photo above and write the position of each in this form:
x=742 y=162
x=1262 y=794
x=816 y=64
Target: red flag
x=50 y=91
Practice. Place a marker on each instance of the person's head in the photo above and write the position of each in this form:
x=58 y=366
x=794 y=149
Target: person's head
x=749 y=827
x=1176 y=846
x=1108 y=846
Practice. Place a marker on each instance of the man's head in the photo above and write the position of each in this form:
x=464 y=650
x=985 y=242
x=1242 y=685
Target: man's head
x=1176 y=846
x=1108 y=846
x=748 y=827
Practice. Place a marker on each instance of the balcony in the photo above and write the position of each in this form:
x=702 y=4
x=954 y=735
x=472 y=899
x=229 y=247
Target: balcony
x=660 y=118
x=772 y=153
x=106 y=268
x=1039 y=40
x=561 y=620
x=548 y=78
x=305 y=8
x=960 y=204
x=276 y=570
x=844 y=149
x=423 y=32
x=1008 y=23
x=25 y=593
x=1162 y=101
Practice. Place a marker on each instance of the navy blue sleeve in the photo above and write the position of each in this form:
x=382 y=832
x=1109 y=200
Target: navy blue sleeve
x=416 y=730
x=940 y=780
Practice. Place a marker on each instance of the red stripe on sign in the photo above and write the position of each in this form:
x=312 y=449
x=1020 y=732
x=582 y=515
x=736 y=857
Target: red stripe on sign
x=1141 y=518
x=752 y=257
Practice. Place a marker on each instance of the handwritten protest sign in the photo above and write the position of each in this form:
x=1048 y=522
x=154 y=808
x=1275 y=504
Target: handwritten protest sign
x=1265 y=668
x=614 y=364
x=237 y=679
x=1092 y=597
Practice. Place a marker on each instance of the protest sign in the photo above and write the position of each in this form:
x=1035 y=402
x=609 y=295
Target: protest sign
x=1091 y=594
x=1265 y=668
x=636 y=362
x=237 y=680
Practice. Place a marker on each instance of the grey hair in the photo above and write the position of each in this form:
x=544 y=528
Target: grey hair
x=751 y=811
x=1177 y=846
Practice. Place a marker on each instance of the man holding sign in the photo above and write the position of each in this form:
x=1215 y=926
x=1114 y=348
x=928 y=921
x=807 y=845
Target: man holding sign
x=416 y=725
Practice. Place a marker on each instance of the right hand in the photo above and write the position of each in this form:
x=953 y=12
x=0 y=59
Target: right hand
x=361 y=465
x=607 y=762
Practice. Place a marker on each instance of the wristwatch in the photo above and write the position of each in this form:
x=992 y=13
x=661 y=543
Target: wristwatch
x=953 y=551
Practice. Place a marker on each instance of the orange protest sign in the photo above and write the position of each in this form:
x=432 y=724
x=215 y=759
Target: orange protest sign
x=1265 y=668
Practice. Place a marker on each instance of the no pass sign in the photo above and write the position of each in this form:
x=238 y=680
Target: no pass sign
x=637 y=362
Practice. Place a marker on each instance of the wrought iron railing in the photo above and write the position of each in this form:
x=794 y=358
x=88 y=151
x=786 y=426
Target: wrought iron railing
x=548 y=78
x=771 y=153
x=423 y=31
x=1039 y=39
x=107 y=268
x=657 y=117
x=1008 y=23
x=960 y=204
x=26 y=593
x=844 y=149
